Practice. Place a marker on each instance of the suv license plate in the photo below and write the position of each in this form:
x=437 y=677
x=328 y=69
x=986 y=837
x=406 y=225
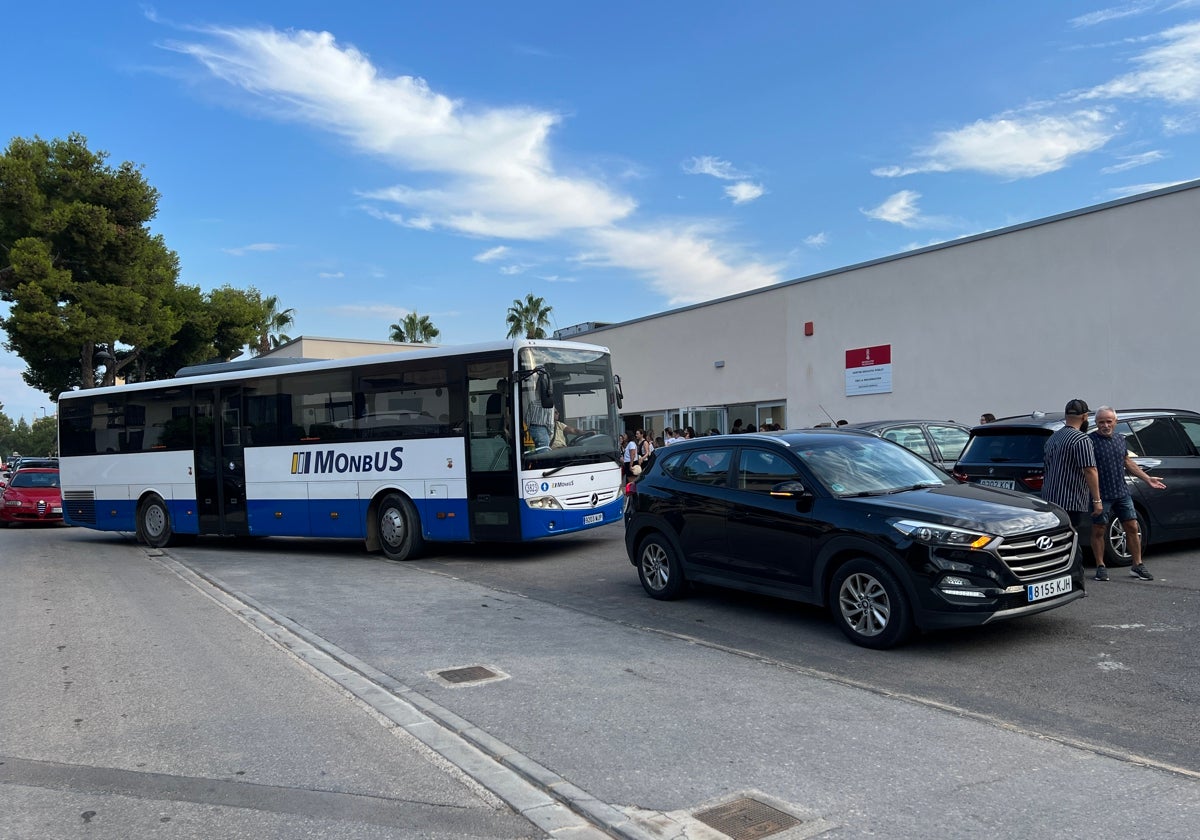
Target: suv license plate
x=1003 y=484
x=593 y=517
x=1049 y=588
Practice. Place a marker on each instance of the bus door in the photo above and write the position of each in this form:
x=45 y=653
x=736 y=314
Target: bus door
x=220 y=461
x=493 y=503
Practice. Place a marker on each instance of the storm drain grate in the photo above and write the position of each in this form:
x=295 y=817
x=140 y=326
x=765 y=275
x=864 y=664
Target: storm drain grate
x=746 y=819
x=472 y=673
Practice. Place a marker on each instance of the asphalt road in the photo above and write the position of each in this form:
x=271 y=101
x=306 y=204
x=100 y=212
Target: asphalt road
x=657 y=709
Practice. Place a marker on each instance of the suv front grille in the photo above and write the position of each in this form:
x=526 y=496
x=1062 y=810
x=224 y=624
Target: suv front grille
x=1027 y=561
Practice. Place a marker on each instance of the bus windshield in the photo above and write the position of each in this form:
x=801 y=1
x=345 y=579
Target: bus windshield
x=568 y=407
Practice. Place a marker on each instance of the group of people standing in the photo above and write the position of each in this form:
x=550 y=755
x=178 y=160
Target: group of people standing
x=637 y=449
x=1085 y=475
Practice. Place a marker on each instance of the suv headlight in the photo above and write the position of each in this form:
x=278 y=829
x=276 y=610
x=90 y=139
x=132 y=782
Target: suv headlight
x=930 y=533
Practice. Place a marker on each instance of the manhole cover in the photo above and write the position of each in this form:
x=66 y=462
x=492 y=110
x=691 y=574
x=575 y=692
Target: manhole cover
x=745 y=819
x=472 y=673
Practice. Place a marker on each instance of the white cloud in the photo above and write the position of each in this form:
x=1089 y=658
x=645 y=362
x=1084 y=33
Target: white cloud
x=1135 y=189
x=492 y=254
x=899 y=208
x=331 y=275
x=498 y=179
x=486 y=171
x=256 y=247
x=684 y=265
x=744 y=192
x=714 y=166
x=1115 y=13
x=510 y=270
x=894 y=171
x=1013 y=146
x=1019 y=147
x=1170 y=72
x=817 y=240
x=1133 y=161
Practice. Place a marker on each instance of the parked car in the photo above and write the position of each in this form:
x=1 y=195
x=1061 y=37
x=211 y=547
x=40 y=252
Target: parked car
x=1163 y=442
x=32 y=496
x=937 y=441
x=885 y=540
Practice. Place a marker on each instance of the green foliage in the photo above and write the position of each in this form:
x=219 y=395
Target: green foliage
x=218 y=325
x=529 y=317
x=39 y=438
x=271 y=325
x=92 y=293
x=82 y=272
x=414 y=329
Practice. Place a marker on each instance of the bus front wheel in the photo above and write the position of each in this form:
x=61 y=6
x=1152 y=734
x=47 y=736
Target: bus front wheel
x=154 y=523
x=399 y=528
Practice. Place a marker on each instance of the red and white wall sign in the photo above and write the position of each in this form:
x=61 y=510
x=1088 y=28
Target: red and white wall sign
x=869 y=370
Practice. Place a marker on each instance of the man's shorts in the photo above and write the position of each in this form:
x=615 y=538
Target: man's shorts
x=1121 y=508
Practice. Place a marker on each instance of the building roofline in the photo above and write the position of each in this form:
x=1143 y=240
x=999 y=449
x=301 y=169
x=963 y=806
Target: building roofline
x=1183 y=186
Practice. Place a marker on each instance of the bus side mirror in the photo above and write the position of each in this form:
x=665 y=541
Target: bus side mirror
x=545 y=390
x=620 y=394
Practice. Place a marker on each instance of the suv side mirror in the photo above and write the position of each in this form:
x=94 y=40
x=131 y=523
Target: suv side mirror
x=789 y=490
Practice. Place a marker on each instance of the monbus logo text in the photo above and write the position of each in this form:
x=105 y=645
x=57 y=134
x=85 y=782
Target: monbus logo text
x=332 y=461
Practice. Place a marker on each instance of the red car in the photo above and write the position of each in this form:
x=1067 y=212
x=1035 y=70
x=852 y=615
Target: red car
x=32 y=495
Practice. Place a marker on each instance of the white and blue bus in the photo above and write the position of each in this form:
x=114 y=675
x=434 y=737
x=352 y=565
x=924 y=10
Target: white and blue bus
x=506 y=441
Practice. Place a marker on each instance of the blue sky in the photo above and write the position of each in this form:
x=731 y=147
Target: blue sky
x=364 y=160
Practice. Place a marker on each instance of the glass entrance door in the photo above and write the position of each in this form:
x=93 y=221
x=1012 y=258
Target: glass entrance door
x=706 y=418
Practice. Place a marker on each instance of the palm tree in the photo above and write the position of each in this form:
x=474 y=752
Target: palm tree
x=414 y=329
x=274 y=322
x=530 y=317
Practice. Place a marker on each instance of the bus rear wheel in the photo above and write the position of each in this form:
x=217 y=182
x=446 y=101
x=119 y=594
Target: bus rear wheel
x=399 y=528
x=154 y=523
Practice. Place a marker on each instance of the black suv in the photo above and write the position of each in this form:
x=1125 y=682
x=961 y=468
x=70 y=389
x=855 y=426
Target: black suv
x=849 y=520
x=1164 y=442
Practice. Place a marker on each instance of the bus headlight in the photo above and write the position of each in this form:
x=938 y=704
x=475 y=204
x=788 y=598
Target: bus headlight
x=544 y=503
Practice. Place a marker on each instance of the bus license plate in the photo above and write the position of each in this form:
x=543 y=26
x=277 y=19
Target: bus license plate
x=593 y=517
x=1049 y=588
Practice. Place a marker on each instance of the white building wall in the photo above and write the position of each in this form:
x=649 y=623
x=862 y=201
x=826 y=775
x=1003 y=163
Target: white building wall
x=1099 y=304
x=669 y=361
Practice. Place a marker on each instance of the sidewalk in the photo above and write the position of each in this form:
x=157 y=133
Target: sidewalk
x=132 y=707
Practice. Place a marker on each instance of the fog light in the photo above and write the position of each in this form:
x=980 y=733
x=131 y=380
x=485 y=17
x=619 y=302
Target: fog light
x=952 y=585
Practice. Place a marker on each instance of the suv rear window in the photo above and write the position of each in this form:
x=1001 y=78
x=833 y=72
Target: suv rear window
x=1021 y=446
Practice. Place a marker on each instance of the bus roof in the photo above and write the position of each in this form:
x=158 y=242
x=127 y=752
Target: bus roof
x=241 y=369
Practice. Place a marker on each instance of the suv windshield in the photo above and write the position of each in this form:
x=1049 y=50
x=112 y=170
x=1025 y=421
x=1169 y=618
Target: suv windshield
x=585 y=409
x=867 y=466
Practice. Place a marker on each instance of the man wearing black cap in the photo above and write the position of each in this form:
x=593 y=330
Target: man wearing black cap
x=1071 y=481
